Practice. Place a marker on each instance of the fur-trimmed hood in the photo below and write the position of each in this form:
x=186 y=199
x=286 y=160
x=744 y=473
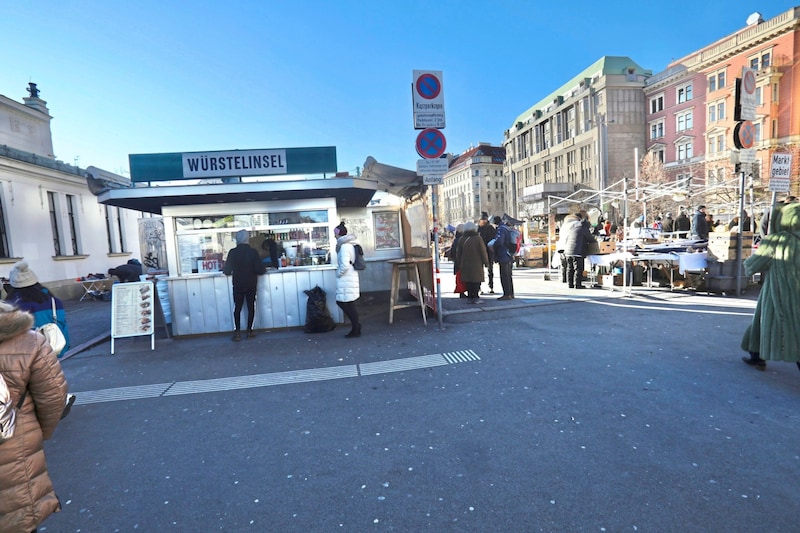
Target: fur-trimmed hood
x=13 y=322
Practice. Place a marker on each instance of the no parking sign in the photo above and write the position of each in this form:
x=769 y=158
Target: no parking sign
x=428 y=99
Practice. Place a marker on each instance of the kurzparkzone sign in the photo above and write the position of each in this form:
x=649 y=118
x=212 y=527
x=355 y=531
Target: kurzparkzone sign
x=232 y=163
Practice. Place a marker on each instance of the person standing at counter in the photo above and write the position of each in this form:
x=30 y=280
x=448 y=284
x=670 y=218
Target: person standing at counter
x=244 y=263
x=347 y=283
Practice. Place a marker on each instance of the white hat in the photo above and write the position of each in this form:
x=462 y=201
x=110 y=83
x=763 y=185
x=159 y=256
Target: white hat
x=21 y=276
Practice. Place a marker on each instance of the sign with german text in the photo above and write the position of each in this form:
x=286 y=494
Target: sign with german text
x=133 y=311
x=747 y=95
x=427 y=167
x=428 y=99
x=780 y=172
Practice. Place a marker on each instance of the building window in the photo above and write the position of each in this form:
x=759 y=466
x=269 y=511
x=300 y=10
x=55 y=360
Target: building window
x=657 y=130
x=115 y=230
x=721 y=111
x=660 y=155
x=754 y=63
x=684 y=93
x=51 y=202
x=721 y=143
x=715 y=81
x=765 y=60
x=4 y=251
x=759 y=96
x=685 y=151
x=712 y=113
x=712 y=145
x=758 y=130
x=657 y=104
x=685 y=121
x=73 y=223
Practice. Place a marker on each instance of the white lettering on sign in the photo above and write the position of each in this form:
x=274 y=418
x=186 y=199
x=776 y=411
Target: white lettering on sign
x=234 y=163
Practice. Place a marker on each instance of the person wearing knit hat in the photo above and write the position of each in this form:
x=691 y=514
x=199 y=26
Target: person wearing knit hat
x=244 y=263
x=22 y=276
x=29 y=295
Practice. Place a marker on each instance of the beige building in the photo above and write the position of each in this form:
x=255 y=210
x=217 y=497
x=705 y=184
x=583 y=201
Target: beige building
x=48 y=215
x=474 y=184
x=582 y=136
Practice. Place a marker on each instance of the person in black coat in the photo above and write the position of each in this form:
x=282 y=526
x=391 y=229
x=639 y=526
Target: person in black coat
x=487 y=233
x=577 y=237
x=244 y=263
x=130 y=271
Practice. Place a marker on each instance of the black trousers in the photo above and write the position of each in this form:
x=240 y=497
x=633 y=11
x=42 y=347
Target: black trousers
x=239 y=299
x=505 y=279
x=350 y=312
x=575 y=270
x=490 y=268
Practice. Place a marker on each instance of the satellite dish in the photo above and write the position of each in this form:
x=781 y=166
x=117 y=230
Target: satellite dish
x=755 y=18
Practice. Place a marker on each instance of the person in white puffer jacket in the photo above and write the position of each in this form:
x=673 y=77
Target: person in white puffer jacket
x=347 y=286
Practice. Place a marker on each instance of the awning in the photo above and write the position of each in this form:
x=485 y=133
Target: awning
x=348 y=192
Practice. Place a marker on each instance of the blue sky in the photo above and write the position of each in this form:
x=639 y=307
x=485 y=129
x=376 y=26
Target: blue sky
x=148 y=76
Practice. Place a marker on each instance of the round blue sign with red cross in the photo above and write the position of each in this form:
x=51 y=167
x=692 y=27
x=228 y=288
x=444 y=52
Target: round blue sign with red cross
x=744 y=135
x=431 y=143
x=428 y=86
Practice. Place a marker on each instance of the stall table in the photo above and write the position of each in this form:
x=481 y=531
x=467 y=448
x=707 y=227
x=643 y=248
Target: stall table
x=686 y=261
x=93 y=286
x=411 y=266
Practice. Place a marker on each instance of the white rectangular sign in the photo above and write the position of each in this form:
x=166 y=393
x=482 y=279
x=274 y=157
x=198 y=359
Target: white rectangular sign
x=428 y=99
x=432 y=180
x=234 y=163
x=747 y=155
x=436 y=166
x=780 y=172
x=747 y=94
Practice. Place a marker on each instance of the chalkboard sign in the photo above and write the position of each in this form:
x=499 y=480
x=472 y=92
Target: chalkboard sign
x=133 y=311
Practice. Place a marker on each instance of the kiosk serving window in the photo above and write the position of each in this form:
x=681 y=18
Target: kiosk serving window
x=302 y=239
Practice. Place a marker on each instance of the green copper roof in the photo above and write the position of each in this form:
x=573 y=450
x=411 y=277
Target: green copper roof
x=604 y=65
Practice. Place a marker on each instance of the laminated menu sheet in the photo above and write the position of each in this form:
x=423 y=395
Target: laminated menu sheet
x=133 y=311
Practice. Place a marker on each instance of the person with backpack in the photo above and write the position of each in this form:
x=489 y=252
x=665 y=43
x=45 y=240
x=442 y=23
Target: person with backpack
x=31 y=296
x=31 y=372
x=347 y=283
x=504 y=250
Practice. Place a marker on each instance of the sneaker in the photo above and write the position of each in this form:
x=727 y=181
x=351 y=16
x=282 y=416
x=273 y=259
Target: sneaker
x=506 y=297
x=237 y=336
x=251 y=334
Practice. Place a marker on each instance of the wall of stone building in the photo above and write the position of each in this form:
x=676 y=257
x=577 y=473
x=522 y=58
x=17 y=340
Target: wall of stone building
x=28 y=171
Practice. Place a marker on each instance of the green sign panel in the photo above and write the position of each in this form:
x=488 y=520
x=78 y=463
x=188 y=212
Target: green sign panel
x=232 y=163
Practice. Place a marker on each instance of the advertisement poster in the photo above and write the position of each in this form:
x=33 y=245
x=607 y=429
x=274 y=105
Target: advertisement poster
x=387 y=230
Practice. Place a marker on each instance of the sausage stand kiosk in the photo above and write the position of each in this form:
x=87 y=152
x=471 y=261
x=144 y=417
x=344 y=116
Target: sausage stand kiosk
x=290 y=222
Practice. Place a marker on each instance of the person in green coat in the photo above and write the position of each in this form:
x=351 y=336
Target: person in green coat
x=774 y=333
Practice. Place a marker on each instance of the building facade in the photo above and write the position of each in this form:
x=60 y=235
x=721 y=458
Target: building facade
x=48 y=216
x=474 y=184
x=692 y=116
x=582 y=136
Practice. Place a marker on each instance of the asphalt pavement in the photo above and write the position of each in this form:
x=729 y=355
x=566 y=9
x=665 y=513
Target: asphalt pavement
x=560 y=410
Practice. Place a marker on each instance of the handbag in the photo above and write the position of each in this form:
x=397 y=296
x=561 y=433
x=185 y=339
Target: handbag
x=460 y=285
x=52 y=332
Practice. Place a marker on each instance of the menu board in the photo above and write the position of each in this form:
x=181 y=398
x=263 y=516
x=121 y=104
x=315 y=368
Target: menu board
x=132 y=309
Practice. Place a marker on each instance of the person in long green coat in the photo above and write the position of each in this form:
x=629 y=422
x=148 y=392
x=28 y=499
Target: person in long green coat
x=774 y=333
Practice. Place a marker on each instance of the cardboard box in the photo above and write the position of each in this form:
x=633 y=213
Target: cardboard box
x=611 y=280
x=607 y=247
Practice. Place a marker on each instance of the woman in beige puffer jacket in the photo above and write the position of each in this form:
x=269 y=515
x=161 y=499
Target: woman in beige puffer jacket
x=27 y=363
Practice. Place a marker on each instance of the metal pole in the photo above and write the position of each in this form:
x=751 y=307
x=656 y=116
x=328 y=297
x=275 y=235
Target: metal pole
x=437 y=278
x=739 y=234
